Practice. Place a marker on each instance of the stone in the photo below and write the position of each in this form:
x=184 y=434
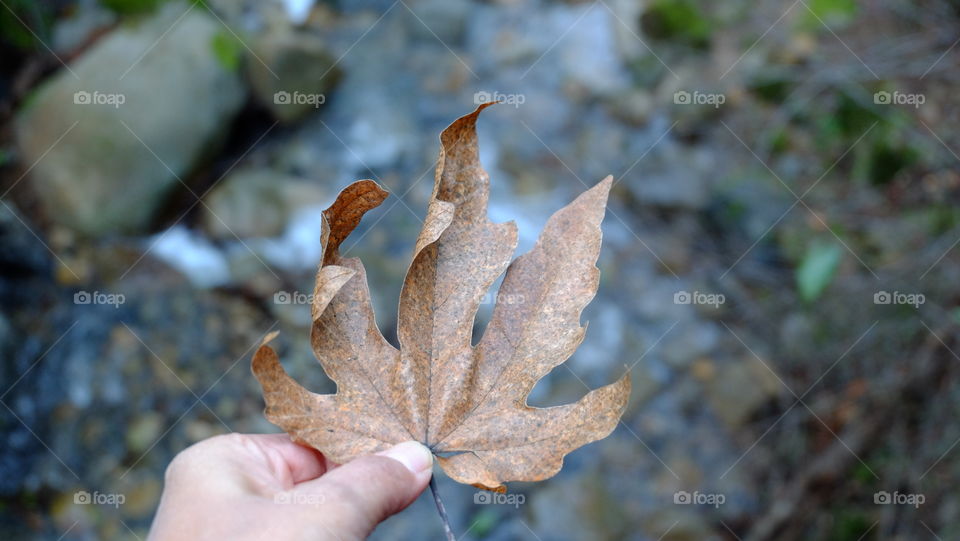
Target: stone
x=74 y=31
x=587 y=57
x=290 y=72
x=739 y=388
x=142 y=498
x=443 y=20
x=687 y=342
x=633 y=106
x=257 y=202
x=674 y=177
x=109 y=137
x=677 y=524
x=143 y=432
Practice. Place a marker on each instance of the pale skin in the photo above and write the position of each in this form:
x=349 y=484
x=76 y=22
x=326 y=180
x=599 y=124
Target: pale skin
x=264 y=486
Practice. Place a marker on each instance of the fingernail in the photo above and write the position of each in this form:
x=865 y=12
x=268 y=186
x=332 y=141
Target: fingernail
x=414 y=455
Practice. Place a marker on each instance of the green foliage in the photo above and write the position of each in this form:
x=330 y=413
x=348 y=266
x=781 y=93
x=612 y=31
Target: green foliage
x=863 y=473
x=850 y=525
x=484 y=522
x=38 y=16
x=780 y=141
x=817 y=269
x=887 y=159
x=131 y=7
x=885 y=149
x=939 y=218
x=834 y=13
x=677 y=20
x=227 y=49
x=771 y=89
x=851 y=117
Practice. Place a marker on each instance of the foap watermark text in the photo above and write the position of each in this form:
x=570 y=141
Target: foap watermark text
x=82 y=497
x=494 y=498
x=283 y=97
x=683 y=497
x=683 y=97
x=82 y=97
x=298 y=498
x=896 y=297
x=99 y=297
x=483 y=96
x=899 y=98
x=897 y=498
x=292 y=297
x=698 y=297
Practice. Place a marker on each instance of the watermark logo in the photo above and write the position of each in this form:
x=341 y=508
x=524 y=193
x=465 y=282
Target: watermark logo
x=82 y=497
x=683 y=97
x=696 y=297
x=502 y=298
x=97 y=297
x=899 y=98
x=298 y=498
x=495 y=498
x=683 y=497
x=483 y=96
x=912 y=299
x=885 y=498
x=283 y=97
x=82 y=97
x=292 y=297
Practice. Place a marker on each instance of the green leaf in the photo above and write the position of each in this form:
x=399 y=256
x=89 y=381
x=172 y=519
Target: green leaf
x=131 y=7
x=832 y=13
x=484 y=522
x=681 y=21
x=227 y=49
x=817 y=269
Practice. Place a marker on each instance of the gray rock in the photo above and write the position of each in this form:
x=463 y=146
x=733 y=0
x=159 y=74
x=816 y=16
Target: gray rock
x=633 y=106
x=380 y=134
x=678 y=523
x=443 y=20
x=687 y=341
x=74 y=31
x=256 y=202
x=110 y=135
x=740 y=388
x=674 y=177
x=290 y=72
x=525 y=38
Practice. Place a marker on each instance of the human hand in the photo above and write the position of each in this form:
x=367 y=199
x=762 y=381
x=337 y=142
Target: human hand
x=264 y=486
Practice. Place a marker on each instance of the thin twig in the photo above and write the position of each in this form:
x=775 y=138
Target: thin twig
x=441 y=509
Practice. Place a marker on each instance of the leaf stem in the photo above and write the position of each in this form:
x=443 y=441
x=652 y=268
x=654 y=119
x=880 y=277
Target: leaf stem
x=441 y=509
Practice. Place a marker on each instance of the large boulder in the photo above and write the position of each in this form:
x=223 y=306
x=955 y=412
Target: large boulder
x=257 y=202
x=109 y=136
x=290 y=72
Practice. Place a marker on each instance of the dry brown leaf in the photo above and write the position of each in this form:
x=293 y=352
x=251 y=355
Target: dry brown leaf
x=466 y=403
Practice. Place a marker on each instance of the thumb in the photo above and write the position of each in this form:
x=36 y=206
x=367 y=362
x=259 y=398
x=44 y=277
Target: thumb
x=369 y=489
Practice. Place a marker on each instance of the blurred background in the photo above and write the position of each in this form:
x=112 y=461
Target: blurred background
x=779 y=270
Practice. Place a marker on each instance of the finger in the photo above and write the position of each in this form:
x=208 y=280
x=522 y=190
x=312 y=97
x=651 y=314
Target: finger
x=366 y=491
x=298 y=462
x=260 y=463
